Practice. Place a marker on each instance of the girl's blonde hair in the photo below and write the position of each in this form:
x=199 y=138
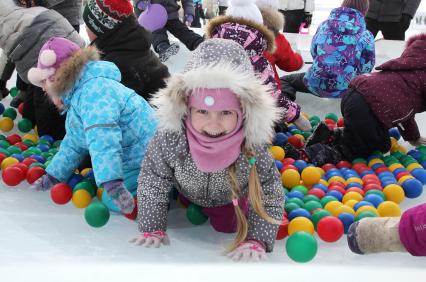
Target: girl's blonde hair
x=255 y=200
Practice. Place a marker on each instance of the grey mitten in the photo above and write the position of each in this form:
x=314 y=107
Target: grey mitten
x=120 y=195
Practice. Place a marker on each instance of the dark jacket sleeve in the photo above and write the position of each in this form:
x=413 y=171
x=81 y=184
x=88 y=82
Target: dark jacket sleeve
x=188 y=7
x=411 y=7
x=409 y=130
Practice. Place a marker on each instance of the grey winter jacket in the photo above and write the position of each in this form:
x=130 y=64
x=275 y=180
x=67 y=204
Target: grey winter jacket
x=168 y=163
x=391 y=10
x=171 y=6
x=70 y=9
x=25 y=48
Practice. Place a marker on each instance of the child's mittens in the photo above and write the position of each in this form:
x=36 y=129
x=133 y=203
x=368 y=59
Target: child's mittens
x=302 y=123
x=120 y=195
x=418 y=142
x=3 y=89
x=151 y=239
x=249 y=251
x=44 y=183
x=189 y=19
x=142 y=5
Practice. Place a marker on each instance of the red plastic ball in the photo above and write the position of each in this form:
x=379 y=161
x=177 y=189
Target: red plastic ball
x=13 y=139
x=401 y=174
x=372 y=186
x=2 y=157
x=343 y=164
x=337 y=183
x=34 y=173
x=282 y=229
x=317 y=192
x=12 y=176
x=61 y=193
x=28 y=161
x=341 y=122
x=355 y=189
x=134 y=213
x=331 y=126
x=337 y=188
x=22 y=146
x=370 y=178
x=330 y=229
x=288 y=161
x=329 y=121
x=23 y=168
x=327 y=167
x=21 y=108
x=288 y=167
x=360 y=167
x=295 y=141
x=381 y=169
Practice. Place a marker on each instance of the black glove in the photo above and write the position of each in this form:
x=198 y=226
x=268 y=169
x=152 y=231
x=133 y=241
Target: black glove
x=405 y=21
x=307 y=20
x=3 y=90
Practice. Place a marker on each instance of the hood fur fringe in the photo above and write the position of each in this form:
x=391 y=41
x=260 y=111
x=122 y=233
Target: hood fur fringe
x=68 y=73
x=258 y=105
x=269 y=35
x=272 y=18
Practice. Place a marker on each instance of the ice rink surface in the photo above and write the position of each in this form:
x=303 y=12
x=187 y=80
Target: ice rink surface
x=40 y=241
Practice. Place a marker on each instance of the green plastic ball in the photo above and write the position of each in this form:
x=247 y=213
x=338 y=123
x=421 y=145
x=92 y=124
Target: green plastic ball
x=301 y=246
x=37 y=164
x=332 y=116
x=96 y=214
x=28 y=142
x=14 y=149
x=4 y=144
x=57 y=143
x=297 y=201
x=316 y=217
x=4 y=152
x=300 y=188
x=309 y=198
x=25 y=125
x=10 y=113
x=87 y=185
x=363 y=214
x=13 y=91
x=195 y=214
x=291 y=206
x=312 y=205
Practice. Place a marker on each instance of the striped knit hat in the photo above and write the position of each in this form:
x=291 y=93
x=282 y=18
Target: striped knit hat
x=101 y=16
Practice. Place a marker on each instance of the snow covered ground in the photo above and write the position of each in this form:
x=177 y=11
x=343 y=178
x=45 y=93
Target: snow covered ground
x=40 y=241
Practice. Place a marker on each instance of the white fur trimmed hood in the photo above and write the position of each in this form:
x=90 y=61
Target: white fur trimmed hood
x=213 y=65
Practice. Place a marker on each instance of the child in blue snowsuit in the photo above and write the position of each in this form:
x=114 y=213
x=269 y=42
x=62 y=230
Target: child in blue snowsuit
x=104 y=118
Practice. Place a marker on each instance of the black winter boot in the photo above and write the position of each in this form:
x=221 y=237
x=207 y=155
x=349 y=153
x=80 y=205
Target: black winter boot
x=324 y=135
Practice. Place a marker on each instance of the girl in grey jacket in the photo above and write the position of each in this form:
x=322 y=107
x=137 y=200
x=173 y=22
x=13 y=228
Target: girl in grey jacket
x=214 y=122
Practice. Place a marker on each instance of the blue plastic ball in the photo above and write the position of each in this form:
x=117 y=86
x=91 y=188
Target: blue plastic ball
x=394 y=132
x=377 y=165
x=361 y=204
x=298 y=212
x=347 y=219
x=420 y=175
x=280 y=139
x=74 y=180
x=300 y=165
x=376 y=200
x=320 y=186
x=366 y=172
x=412 y=188
x=43 y=147
x=19 y=157
x=278 y=164
x=354 y=184
x=398 y=170
x=385 y=174
x=1 y=108
x=415 y=154
x=90 y=174
x=48 y=138
x=38 y=158
x=423 y=164
x=295 y=194
x=335 y=194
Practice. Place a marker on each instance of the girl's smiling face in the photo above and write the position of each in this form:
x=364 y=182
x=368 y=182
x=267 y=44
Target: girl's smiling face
x=213 y=123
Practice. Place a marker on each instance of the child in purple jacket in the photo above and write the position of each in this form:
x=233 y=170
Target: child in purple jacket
x=373 y=104
x=390 y=234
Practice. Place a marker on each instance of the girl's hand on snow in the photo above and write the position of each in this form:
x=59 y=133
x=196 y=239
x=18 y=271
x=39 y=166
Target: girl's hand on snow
x=151 y=239
x=249 y=251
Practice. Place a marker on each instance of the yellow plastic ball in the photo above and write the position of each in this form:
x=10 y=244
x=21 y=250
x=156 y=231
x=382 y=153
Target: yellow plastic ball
x=290 y=178
x=389 y=208
x=336 y=178
x=333 y=206
x=321 y=171
x=405 y=177
x=310 y=175
x=278 y=153
x=351 y=203
x=375 y=161
x=354 y=179
x=31 y=137
x=392 y=167
x=394 y=193
x=342 y=209
x=352 y=195
x=6 y=124
x=366 y=208
x=413 y=166
x=402 y=149
x=81 y=199
x=324 y=182
x=99 y=192
x=300 y=223
x=7 y=162
x=85 y=171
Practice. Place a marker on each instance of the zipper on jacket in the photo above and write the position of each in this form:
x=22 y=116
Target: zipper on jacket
x=400 y=120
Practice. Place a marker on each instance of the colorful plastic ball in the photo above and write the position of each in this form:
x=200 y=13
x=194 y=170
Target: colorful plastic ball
x=347 y=219
x=288 y=161
x=34 y=173
x=343 y=209
x=297 y=201
x=296 y=142
x=361 y=204
x=338 y=195
x=333 y=206
x=12 y=176
x=7 y=162
x=301 y=247
x=342 y=164
x=81 y=198
x=280 y=139
x=309 y=198
x=300 y=224
x=366 y=208
x=316 y=192
x=47 y=138
x=19 y=157
x=372 y=186
x=351 y=203
x=352 y=196
x=325 y=200
x=61 y=193
x=31 y=137
x=86 y=185
x=13 y=91
x=1 y=108
x=356 y=189
x=10 y=113
x=23 y=168
x=311 y=175
x=25 y=125
x=96 y=214
x=365 y=214
x=6 y=124
x=43 y=147
x=298 y=212
x=14 y=149
x=394 y=132
x=283 y=229
x=376 y=192
x=394 y=193
x=195 y=214
x=289 y=207
x=21 y=108
x=389 y=209
x=330 y=229
x=374 y=199
x=419 y=174
x=312 y=205
x=320 y=186
x=318 y=215
x=290 y=178
x=295 y=194
x=412 y=188
x=277 y=152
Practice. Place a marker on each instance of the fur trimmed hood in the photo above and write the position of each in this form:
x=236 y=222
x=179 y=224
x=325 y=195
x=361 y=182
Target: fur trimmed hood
x=214 y=24
x=272 y=18
x=258 y=106
x=68 y=73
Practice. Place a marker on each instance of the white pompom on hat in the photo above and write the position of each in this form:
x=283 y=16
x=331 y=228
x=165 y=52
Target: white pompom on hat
x=245 y=9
